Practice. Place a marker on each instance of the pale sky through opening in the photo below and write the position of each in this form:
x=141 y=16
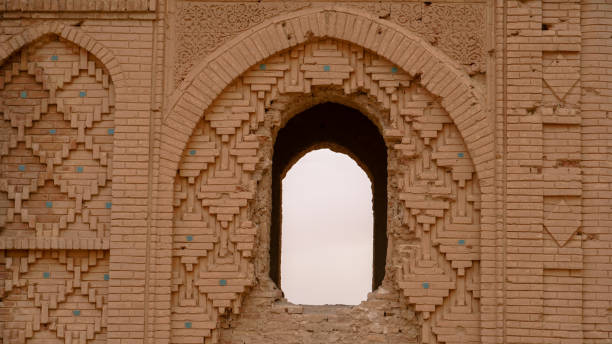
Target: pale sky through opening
x=327 y=230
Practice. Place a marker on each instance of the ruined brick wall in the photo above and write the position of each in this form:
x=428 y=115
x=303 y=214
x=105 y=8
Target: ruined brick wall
x=136 y=146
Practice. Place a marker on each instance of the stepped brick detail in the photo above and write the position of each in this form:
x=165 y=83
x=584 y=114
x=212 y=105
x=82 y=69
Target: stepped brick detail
x=137 y=142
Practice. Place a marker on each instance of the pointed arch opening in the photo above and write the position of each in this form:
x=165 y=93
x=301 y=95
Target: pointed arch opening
x=341 y=129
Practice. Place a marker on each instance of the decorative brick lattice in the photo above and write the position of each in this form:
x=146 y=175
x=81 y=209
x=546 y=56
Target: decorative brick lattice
x=56 y=149
x=54 y=295
x=214 y=234
x=202 y=27
x=56 y=142
x=457 y=29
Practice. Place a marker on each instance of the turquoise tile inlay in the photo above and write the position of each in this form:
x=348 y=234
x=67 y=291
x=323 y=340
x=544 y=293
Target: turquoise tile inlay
x=393 y=70
x=52 y=131
x=46 y=274
x=192 y=152
x=23 y=94
x=111 y=131
x=106 y=277
x=460 y=155
x=108 y=205
x=189 y=238
x=49 y=204
x=76 y=312
x=262 y=66
x=326 y=68
x=461 y=242
x=82 y=94
x=425 y=285
x=187 y=324
x=222 y=282
x=54 y=58
x=21 y=168
x=80 y=169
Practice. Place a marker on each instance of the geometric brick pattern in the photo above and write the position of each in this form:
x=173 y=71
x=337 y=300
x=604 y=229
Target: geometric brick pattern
x=208 y=80
x=56 y=148
x=54 y=296
x=214 y=236
x=536 y=127
x=57 y=103
x=455 y=28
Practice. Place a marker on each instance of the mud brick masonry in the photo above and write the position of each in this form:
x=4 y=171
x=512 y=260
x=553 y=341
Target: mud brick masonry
x=139 y=171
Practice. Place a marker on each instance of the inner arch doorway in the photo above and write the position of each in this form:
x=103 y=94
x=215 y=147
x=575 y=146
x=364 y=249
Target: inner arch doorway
x=342 y=129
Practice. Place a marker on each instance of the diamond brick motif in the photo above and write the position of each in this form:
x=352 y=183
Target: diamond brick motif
x=562 y=222
x=560 y=74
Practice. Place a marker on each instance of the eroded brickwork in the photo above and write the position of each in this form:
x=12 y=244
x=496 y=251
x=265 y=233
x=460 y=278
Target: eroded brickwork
x=437 y=240
x=136 y=141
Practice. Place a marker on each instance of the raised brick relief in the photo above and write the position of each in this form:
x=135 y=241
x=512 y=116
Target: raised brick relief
x=56 y=148
x=76 y=6
x=457 y=29
x=537 y=128
x=56 y=145
x=54 y=296
x=202 y=28
x=436 y=251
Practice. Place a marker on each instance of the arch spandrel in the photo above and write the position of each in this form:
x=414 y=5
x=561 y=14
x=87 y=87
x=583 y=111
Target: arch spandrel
x=440 y=74
x=216 y=258
x=71 y=34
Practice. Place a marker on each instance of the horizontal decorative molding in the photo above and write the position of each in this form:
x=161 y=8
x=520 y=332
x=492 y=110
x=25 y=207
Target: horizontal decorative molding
x=77 y=5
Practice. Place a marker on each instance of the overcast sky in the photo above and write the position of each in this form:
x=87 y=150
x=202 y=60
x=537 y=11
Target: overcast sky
x=327 y=231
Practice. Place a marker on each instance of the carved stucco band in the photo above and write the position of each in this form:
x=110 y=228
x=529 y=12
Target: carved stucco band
x=439 y=75
x=69 y=33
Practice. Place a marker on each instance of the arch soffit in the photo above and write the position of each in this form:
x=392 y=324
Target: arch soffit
x=71 y=34
x=439 y=74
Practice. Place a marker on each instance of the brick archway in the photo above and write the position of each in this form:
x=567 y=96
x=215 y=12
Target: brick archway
x=433 y=71
x=71 y=34
x=438 y=74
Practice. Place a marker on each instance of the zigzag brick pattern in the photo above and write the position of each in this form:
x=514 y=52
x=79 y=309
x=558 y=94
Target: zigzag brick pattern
x=214 y=234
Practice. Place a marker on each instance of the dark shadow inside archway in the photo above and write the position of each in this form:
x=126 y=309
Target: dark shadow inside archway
x=346 y=130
